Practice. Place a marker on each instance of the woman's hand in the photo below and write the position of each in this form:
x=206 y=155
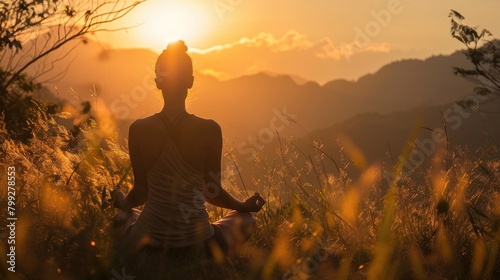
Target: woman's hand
x=254 y=203
x=118 y=199
x=121 y=218
x=120 y=202
x=123 y=221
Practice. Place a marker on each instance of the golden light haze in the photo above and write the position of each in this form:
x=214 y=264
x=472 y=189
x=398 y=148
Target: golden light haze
x=315 y=40
x=160 y=22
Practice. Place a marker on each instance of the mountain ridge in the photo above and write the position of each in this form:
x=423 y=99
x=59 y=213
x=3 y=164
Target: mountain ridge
x=245 y=105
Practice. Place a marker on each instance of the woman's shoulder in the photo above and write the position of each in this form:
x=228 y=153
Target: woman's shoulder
x=206 y=124
x=147 y=123
x=153 y=123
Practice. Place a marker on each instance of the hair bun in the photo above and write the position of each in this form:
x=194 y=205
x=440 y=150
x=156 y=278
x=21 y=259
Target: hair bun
x=177 y=47
x=174 y=59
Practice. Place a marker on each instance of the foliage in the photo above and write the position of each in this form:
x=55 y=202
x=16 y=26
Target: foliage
x=319 y=222
x=436 y=222
x=63 y=190
x=33 y=33
x=485 y=71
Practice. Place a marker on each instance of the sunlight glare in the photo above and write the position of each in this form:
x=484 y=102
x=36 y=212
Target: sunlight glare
x=167 y=22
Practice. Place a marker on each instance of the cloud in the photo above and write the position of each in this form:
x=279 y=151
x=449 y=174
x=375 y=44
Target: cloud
x=214 y=73
x=295 y=41
x=328 y=50
x=292 y=40
x=295 y=54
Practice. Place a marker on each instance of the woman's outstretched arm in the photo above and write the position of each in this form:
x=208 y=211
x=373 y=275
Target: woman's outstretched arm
x=214 y=192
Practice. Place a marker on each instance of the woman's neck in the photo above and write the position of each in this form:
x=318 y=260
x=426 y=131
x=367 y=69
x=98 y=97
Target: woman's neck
x=173 y=107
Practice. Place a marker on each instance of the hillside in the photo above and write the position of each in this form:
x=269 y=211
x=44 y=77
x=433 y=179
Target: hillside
x=378 y=135
x=124 y=80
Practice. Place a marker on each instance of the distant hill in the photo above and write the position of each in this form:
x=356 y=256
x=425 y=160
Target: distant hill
x=373 y=113
x=248 y=101
x=248 y=105
x=381 y=138
x=378 y=135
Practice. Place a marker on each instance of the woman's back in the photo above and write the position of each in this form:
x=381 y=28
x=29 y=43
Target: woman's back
x=193 y=137
x=175 y=214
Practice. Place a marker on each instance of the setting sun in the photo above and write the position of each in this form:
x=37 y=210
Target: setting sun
x=162 y=23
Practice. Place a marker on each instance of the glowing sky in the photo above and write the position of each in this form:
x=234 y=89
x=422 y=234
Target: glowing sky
x=316 y=40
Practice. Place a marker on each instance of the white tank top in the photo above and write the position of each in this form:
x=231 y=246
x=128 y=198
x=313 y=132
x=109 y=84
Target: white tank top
x=175 y=213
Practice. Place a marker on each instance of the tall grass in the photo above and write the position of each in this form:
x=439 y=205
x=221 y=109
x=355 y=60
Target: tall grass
x=63 y=184
x=439 y=222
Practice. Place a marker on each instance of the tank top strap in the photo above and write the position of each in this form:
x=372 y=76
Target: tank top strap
x=171 y=126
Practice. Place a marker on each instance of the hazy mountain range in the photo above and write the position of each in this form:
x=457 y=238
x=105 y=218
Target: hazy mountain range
x=375 y=110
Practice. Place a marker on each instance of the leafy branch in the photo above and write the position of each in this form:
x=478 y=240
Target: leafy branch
x=485 y=59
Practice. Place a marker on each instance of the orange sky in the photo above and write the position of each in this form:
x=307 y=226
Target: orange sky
x=314 y=40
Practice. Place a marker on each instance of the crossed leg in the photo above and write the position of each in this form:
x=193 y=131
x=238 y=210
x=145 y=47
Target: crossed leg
x=233 y=230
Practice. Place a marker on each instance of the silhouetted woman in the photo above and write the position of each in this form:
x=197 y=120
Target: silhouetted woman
x=176 y=161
